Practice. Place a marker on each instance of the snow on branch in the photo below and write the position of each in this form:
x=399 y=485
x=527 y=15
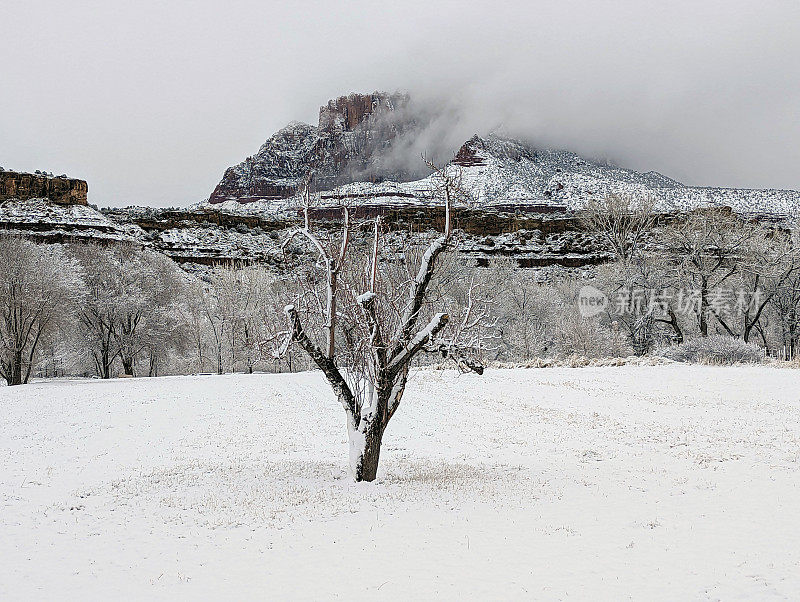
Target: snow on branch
x=408 y=351
x=419 y=288
x=366 y=299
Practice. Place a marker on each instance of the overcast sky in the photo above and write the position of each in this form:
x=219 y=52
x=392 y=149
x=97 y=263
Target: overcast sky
x=151 y=101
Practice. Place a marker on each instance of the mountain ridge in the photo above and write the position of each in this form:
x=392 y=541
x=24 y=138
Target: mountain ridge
x=352 y=154
x=522 y=200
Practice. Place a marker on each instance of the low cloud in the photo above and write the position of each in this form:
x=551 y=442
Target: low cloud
x=152 y=102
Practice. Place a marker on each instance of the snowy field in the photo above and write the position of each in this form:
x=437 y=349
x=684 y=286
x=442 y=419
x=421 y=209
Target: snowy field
x=665 y=482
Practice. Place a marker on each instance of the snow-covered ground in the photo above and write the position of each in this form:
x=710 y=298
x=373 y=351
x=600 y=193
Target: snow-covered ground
x=663 y=482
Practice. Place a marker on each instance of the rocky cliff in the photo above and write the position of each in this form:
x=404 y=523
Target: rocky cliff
x=356 y=154
x=57 y=189
x=519 y=201
x=351 y=142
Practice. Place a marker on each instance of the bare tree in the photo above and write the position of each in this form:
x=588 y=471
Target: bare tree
x=239 y=307
x=642 y=303
x=130 y=308
x=37 y=285
x=263 y=324
x=769 y=268
x=786 y=304
x=380 y=333
x=217 y=308
x=709 y=247
x=622 y=221
x=151 y=286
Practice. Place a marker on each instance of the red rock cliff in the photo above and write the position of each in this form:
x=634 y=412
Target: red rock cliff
x=61 y=190
x=353 y=135
x=347 y=112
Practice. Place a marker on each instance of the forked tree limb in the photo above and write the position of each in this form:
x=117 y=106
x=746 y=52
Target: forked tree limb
x=367 y=301
x=418 y=290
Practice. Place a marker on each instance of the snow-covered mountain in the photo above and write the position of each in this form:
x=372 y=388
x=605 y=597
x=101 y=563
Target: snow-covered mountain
x=503 y=172
x=521 y=200
x=353 y=141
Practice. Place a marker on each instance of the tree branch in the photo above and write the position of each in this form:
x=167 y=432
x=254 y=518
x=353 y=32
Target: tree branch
x=407 y=352
x=418 y=289
x=367 y=301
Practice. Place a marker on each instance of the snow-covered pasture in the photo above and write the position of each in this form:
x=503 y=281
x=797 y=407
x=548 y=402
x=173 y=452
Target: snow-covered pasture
x=659 y=482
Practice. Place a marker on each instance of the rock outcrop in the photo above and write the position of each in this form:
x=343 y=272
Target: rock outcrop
x=351 y=142
x=57 y=189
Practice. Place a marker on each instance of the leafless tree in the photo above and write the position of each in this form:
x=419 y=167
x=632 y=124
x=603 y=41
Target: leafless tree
x=768 y=269
x=130 y=307
x=217 y=308
x=622 y=221
x=709 y=247
x=786 y=305
x=37 y=285
x=376 y=308
x=641 y=292
x=240 y=307
x=785 y=300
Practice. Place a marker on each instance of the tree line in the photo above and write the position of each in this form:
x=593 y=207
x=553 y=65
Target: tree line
x=120 y=309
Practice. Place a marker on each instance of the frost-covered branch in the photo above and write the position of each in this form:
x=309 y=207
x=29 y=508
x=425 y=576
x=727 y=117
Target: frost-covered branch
x=407 y=351
x=332 y=265
x=418 y=289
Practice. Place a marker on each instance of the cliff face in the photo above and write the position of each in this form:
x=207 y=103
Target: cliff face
x=23 y=186
x=346 y=113
x=351 y=142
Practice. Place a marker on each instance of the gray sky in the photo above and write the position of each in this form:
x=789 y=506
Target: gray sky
x=151 y=101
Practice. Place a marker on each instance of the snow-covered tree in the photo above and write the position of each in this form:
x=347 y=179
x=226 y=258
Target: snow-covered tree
x=370 y=317
x=218 y=306
x=717 y=252
x=38 y=284
x=623 y=222
x=131 y=309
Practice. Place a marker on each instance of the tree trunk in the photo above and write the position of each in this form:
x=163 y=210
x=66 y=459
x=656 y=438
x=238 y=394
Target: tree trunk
x=673 y=321
x=103 y=362
x=127 y=366
x=16 y=369
x=365 y=449
x=704 y=309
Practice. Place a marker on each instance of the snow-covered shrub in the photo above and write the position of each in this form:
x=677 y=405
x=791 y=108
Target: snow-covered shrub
x=715 y=349
x=588 y=338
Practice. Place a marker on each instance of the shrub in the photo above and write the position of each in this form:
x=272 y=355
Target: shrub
x=716 y=349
